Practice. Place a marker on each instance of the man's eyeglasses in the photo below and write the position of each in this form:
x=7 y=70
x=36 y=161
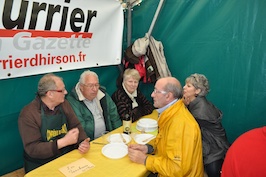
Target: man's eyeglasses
x=90 y=86
x=60 y=91
x=155 y=91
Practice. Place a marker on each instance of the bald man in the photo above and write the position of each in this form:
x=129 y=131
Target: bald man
x=177 y=149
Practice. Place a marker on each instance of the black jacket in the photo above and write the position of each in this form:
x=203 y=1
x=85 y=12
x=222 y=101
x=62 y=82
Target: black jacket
x=124 y=104
x=214 y=140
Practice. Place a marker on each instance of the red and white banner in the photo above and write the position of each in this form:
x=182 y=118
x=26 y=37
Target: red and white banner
x=49 y=36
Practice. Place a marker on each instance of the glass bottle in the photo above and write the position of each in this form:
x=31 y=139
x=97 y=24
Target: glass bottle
x=127 y=124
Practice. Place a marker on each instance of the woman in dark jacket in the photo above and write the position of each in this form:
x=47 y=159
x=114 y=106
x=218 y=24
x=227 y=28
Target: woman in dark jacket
x=130 y=100
x=209 y=117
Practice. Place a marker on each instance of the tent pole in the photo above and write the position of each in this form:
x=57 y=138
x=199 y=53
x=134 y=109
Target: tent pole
x=129 y=23
x=155 y=17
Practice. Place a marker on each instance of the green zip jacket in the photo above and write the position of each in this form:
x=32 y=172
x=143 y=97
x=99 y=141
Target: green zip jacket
x=111 y=116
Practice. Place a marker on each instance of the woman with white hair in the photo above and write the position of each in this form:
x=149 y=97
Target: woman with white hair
x=129 y=99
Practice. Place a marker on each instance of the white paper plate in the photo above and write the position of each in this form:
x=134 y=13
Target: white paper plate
x=116 y=138
x=147 y=125
x=139 y=138
x=115 y=150
x=147 y=122
x=146 y=129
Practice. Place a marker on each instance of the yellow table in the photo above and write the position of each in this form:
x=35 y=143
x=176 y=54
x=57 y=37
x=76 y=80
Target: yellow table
x=103 y=166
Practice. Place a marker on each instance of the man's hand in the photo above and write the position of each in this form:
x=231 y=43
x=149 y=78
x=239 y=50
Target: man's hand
x=70 y=138
x=84 y=146
x=137 y=153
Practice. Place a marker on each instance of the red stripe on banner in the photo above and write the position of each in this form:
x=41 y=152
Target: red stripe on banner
x=35 y=33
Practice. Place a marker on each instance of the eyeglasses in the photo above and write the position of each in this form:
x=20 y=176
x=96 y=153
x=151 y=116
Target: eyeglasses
x=90 y=86
x=155 y=91
x=60 y=91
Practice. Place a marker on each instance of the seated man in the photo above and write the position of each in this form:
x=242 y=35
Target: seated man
x=93 y=106
x=177 y=149
x=48 y=126
x=246 y=156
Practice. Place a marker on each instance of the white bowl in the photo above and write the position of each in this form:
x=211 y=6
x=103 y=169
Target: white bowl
x=147 y=125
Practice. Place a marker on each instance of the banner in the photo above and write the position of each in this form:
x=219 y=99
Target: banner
x=49 y=36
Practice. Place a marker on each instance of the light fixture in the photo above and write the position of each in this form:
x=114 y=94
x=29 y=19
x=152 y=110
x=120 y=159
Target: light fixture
x=128 y=4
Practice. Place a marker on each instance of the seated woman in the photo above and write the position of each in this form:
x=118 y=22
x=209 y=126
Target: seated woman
x=129 y=99
x=214 y=140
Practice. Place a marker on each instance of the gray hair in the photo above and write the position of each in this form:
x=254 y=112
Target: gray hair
x=130 y=72
x=174 y=86
x=47 y=83
x=199 y=81
x=86 y=73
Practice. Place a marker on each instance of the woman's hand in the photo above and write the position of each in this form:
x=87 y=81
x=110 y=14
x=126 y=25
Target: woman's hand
x=186 y=100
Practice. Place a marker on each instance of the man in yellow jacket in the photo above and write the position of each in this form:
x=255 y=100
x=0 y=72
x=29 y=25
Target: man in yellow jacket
x=177 y=150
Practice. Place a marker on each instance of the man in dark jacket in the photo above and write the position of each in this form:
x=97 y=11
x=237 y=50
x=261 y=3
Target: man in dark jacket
x=48 y=126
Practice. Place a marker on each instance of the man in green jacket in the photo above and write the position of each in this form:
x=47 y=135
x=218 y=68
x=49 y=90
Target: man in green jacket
x=93 y=106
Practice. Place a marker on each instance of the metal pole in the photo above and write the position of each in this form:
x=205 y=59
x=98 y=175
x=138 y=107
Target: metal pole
x=155 y=17
x=129 y=22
